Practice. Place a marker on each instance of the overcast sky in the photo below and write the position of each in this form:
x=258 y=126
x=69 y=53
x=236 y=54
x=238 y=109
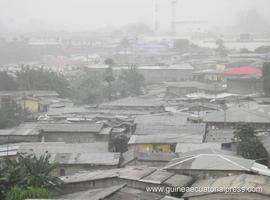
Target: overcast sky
x=91 y=14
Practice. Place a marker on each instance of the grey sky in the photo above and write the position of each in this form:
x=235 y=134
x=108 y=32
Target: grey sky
x=90 y=14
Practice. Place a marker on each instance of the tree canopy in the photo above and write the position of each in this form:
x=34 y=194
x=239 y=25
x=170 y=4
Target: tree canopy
x=40 y=79
x=11 y=114
x=266 y=78
x=249 y=146
x=26 y=172
x=92 y=88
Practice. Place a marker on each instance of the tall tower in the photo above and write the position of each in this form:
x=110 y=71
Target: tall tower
x=156 y=16
x=173 y=17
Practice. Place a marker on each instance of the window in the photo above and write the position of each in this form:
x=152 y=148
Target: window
x=62 y=172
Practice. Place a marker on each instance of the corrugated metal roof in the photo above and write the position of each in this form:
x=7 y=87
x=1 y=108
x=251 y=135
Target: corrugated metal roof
x=162 y=119
x=41 y=148
x=236 y=114
x=23 y=129
x=138 y=173
x=71 y=127
x=86 y=158
x=132 y=102
x=243 y=180
x=211 y=162
x=155 y=129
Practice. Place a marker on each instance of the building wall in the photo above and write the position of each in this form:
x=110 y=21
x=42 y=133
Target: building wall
x=29 y=105
x=4 y=139
x=73 y=169
x=73 y=137
x=150 y=163
x=86 y=185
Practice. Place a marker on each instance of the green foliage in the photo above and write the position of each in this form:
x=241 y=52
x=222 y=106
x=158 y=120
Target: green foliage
x=37 y=171
x=95 y=88
x=124 y=43
x=109 y=61
x=88 y=88
x=7 y=82
x=131 y=82
x=40 y=79
x=109 y=79
x=266 y=78
x=120 y=143
x=221 y=49
x=17 y=193
x=11 y=114
x=249 y=146
x=26 y=171
x=182 y=45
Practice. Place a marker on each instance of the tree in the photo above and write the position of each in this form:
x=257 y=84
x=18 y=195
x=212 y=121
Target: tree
x=131 y=82
x=124 y=43
x=11 y=114
x=221 y=48
x=7 y=82
x=109 y=61
x=120 y=143
x=266 y=78
x=249 y=146
x=40 y=79
x=26 y=172
x=262 y=49
x=181 y=45
x=109 y=79
x=89 y=88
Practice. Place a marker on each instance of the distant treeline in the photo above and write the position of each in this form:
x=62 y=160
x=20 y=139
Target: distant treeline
x=34 y=79
x=88 y=88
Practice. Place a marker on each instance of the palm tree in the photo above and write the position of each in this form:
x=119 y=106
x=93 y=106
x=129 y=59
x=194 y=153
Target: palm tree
x=37 y=171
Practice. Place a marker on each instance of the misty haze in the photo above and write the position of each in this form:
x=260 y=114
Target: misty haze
x=134 y=99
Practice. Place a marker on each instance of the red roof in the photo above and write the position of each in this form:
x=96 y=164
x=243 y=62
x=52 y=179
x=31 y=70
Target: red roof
x=246 y=70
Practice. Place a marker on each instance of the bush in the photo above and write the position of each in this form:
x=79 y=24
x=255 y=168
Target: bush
x=17 y=193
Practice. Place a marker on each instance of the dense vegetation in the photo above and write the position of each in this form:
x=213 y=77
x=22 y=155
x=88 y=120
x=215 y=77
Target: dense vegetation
x=266 y=78
x=93 y=88
x=249 y=146
x=11 y=114
x=34 y=79
x=28 y=176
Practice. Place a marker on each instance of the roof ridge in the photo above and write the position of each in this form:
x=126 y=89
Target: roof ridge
x=234 y=163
